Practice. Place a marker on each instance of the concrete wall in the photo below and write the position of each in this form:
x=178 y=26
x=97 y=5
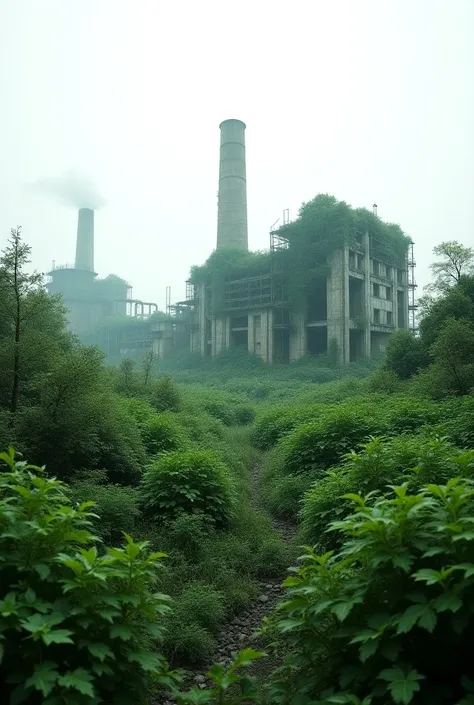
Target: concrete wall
x=338 y=303
x=220 y=333
x=298 y=336
x=260 y=334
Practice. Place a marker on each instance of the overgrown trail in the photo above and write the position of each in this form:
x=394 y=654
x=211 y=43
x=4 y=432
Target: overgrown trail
x=239 y=632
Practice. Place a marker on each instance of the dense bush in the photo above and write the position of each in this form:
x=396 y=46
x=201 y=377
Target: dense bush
x=373 y=468
x=164 y=395
x=117 y=506
x=389 y=617
x=188 y=482
x=90 y=431
x=85 y=625
x=162 y=434
x=322 y=443
x=273 y=424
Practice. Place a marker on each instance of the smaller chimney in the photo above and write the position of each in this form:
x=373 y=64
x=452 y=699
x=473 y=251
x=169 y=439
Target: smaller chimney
x=85 y=240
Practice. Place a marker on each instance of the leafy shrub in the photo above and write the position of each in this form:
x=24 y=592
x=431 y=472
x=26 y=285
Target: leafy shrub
x=187 y=533
x=188 y=482
x=459 y=424
x=318 y=445
x=385 y=381
x=161 y=434
x=272 y=425
x=164 y=395
x=405 y=354
x=376 y=465
x=244 y=415
x=139 y=409
x=371 y=622
x=409 y=415
x=90 y=431
x=284 y=495
x=201 y=428
x=86 y=625
x=117 y=506
x=220 y=410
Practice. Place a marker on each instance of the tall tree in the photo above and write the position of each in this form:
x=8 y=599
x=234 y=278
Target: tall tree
x=455 y=261
x=15 y=286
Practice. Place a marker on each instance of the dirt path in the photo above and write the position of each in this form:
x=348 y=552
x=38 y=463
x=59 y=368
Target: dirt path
x=239 y=633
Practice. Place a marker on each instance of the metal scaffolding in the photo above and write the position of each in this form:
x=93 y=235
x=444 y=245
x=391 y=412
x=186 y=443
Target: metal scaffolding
x=412 y=305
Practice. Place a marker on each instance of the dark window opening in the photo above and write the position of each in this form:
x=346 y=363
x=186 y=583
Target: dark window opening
x=317 y=340
x=356 y=297
x=239 y=322
x=281 y=346
x=239 y=339
x=317 y=301
x=376 y=315
x=356 y=345
x=376 y=290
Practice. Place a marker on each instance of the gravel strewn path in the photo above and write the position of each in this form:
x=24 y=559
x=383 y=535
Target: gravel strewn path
x=239 y=633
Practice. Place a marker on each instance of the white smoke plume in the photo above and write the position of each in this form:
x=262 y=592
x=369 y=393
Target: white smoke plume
x=73 y=189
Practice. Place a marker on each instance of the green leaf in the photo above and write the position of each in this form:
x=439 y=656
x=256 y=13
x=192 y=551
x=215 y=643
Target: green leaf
x=429 y=576
x=368 y=649
x=428 y=619
x=409 y=618
x=101 y=651
x=402 y=686
x=44 y=678
x=342 y=609
x=147 y=660
x=448 y=602
x=79 y=680
x=43 y=570
x=58 y=636
x=121 y=631
x=246 y=657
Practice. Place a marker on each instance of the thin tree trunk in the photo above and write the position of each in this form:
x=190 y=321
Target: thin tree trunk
x=16 y=357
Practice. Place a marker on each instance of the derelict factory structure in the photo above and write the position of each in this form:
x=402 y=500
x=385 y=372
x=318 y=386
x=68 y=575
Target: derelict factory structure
x=362 y=300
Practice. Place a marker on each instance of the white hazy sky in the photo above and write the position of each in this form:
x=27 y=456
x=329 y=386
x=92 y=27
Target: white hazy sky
x=370 y=100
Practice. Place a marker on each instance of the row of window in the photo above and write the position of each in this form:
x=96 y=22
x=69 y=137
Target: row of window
x=379 y=269
x=383 y=317
x=382 y=292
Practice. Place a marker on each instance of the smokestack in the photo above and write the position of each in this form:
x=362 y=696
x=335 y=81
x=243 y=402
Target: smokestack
x=232 y=208
x=85 y=240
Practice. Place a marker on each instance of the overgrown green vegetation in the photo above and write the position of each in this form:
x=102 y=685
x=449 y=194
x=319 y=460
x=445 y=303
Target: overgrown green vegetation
x=374 y=463
x=323 y=225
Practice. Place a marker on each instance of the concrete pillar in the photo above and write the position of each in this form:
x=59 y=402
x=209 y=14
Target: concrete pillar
x=251 y=333
x=298 y=337
x=267 y=337
x=220 y=333
x=338 y=303
x=198 y=338
x=394 y=297
x=367 y=297
x=232 y=206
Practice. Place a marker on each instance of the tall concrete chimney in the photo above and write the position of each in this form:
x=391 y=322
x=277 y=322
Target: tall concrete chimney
x=85 y=240
x=232 y=208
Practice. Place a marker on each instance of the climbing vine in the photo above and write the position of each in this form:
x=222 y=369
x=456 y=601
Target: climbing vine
x=323 y=226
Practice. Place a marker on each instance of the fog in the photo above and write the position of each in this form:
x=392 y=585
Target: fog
x=370 y=100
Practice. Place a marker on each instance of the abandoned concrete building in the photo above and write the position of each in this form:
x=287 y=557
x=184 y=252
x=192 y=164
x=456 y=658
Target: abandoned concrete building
x=335 y=281
x=364 y=291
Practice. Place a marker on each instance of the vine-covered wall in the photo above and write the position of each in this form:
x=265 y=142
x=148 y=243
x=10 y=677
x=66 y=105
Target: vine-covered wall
x=323 y=225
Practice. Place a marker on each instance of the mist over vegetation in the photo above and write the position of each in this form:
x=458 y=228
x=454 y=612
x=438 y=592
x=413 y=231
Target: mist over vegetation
x=166 y=497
